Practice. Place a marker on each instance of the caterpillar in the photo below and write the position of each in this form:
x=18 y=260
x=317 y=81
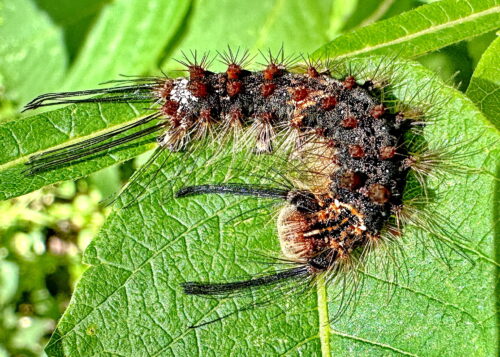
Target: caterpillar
x=354 y=156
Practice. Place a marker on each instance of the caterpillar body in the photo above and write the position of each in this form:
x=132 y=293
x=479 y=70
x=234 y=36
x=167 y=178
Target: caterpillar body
x=356 y=147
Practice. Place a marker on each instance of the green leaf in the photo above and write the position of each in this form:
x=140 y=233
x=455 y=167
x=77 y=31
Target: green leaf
x=75 y=19
x=129 y=301
x=339 y=16
x=452 y=64
x=427 y=28
x=32 y=54
x=301 y=26
x=484 y=87
x=128 y=38
x=370 y=11
x=478 y=45
x=35 y=134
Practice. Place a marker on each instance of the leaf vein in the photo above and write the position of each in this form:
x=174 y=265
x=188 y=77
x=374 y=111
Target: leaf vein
x=374 y=343
x=139 y=268
x=427 y=31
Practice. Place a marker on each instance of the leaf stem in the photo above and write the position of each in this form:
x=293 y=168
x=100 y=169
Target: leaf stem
x=324 y=321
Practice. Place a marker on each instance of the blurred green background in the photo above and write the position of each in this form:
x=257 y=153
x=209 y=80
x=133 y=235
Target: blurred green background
x=43 y=234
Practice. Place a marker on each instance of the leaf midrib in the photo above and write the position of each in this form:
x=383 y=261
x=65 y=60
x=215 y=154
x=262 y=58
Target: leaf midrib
x=324 y=320
x=427 y=31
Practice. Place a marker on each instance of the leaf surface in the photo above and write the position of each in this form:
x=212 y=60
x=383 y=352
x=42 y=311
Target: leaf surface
x=31 y=135
x=297 y=25
x=127 y=39
x=484 y=87
x=129 y=302
x=421 y=30
x=75 y=19
x=32 y=56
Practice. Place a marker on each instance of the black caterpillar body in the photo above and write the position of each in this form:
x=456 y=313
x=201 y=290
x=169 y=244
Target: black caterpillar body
x=365 y=141
x=343 y=132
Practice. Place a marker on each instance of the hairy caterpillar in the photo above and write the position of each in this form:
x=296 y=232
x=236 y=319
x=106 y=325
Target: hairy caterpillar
x=347 y=148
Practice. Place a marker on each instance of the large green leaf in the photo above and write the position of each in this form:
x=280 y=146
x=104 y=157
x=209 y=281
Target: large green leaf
x=129 y=301
x=419 y=31
x=484 y=87
x=32 y=53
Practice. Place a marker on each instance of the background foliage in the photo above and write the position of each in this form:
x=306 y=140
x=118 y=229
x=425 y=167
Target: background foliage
x=50 y=45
